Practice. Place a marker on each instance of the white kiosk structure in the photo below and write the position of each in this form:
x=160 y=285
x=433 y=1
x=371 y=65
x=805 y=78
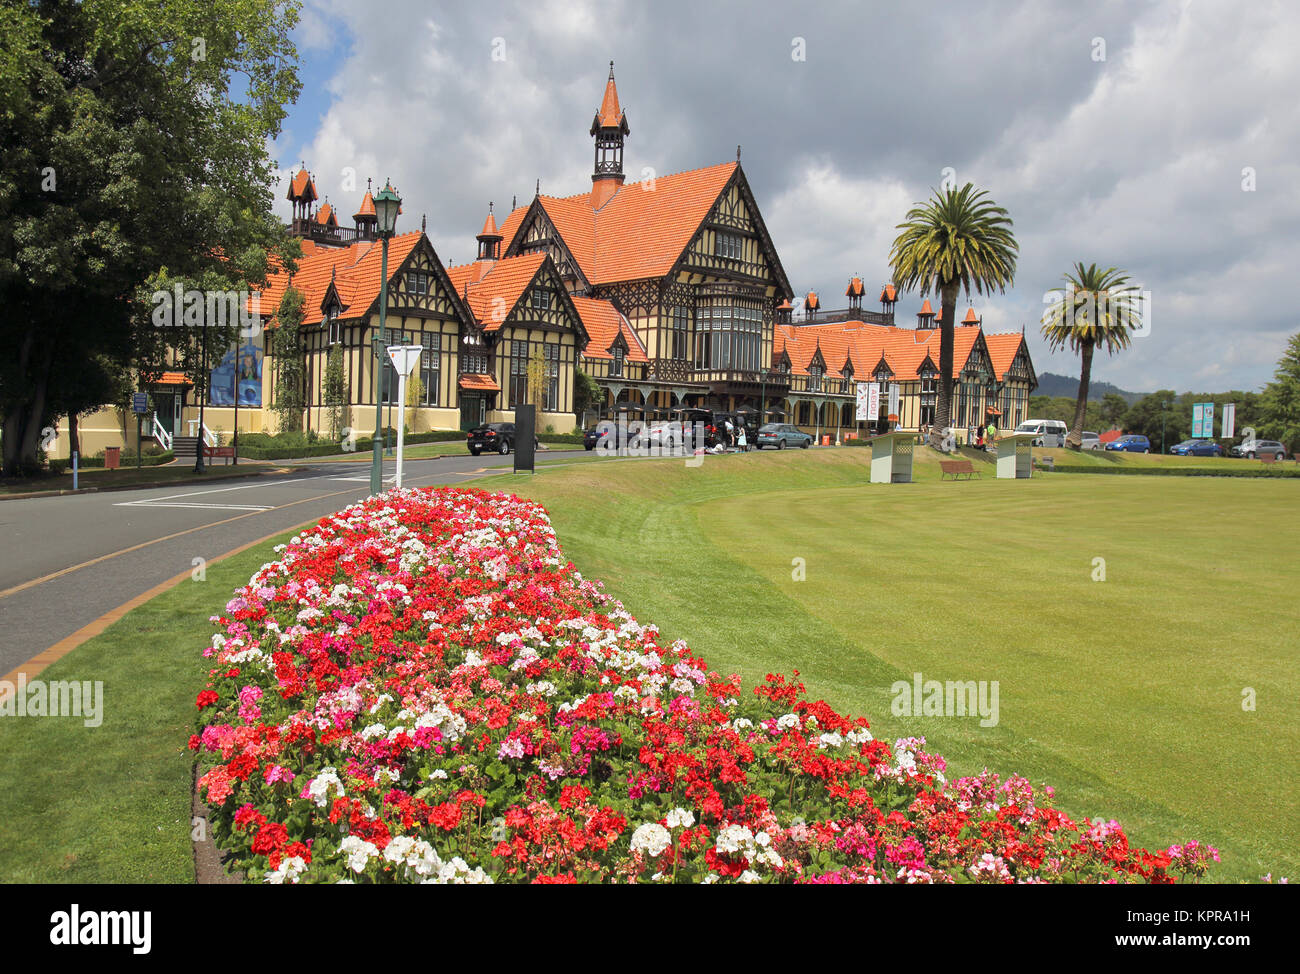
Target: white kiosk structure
x=1015 y=455
x=891 y=458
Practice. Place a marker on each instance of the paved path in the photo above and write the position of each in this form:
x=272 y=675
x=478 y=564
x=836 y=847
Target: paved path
x=65 y=561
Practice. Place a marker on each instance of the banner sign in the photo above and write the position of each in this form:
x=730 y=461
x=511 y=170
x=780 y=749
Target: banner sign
x=140 y=402
x=862 y=401
x=1203 y=420
x=1229 y=420
x=873 y=401
x=894 y=402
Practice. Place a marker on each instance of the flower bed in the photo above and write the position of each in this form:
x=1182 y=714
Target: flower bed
x=421 y=688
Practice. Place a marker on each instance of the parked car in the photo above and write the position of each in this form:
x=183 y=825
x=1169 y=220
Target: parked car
x=494 y=438
x=781 y=435
x=1089 y=441
x=1257 y=448
x=1197 y=448
x=1131 y=443
x=1051 y=432
x=590 y=437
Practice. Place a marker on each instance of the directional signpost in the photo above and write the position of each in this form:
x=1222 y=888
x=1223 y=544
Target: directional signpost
x=404 y=358
x=139 y=406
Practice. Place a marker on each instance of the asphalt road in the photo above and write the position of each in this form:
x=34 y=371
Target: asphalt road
x=65 y=561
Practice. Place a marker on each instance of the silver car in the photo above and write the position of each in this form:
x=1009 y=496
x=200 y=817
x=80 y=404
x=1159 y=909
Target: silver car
x=1089 y=441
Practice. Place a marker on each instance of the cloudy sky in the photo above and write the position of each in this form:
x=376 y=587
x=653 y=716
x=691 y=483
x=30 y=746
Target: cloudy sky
x=1158 y=137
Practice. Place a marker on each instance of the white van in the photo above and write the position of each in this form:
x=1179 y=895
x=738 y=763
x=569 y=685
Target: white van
x=1051 y=432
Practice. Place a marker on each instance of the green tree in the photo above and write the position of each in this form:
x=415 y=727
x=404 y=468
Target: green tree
x=336 y=401
x=1151 y=417
x=587 y=393
x=958 y=241
x=1279 y=403
x=1112 y=409
x=289 y=364
x=124 y=151
x=1097 y=308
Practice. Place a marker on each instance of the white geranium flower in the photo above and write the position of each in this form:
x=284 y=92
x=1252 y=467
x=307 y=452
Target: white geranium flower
x=651 y=839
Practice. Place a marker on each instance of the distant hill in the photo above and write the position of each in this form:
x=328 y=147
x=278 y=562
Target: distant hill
x=1051 y=384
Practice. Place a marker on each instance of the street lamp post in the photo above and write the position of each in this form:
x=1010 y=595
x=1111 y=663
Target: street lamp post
x=387 y=205
x=203 y=366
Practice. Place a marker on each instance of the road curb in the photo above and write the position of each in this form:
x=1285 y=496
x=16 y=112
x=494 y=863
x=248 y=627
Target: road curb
x=274 y=472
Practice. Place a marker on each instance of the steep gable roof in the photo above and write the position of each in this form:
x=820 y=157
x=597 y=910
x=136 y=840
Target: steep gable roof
x=493 y=288
x=354 y=271
x=1002 y=351
x=640 y=232
x=604 y=323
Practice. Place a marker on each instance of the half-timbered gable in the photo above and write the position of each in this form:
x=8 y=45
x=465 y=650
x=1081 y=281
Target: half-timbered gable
x=685 y=258
x=524 y=311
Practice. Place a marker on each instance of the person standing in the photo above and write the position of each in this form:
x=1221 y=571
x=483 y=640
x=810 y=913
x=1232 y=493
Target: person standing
x=742 y=440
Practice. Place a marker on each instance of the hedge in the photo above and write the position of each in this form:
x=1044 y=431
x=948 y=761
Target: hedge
x=128 y=460
x=1243 y=471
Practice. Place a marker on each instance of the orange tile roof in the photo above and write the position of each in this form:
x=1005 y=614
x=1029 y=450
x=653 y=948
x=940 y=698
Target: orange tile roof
x=367 y=207
x=810 y=303
x=491 y=288
x=970 y=318
x=889 y=293
x=355 y=271
x=302 y=183
x=926 y=309
x=489 y=225
x=172 y=379
x=640 y=232
x=325 y=215
x=478 y=382
x=1002 y=350
x=856 y=288
x=785 y=305
x=903 y=350
x=603 y=322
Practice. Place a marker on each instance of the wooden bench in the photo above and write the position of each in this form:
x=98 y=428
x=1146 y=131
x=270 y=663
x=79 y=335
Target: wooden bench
x=957 y=468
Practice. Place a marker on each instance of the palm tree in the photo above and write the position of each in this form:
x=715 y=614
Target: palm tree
x=1097 y=307
x=957 y=241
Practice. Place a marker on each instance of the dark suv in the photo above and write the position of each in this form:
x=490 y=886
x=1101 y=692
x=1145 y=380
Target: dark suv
x=494 y=438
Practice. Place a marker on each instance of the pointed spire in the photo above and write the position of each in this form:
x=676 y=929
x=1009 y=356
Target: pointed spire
x=537 y=190
x=489 y=238
x=513 y=204
x=611 y=115
x=423 y=224
x=738 y=153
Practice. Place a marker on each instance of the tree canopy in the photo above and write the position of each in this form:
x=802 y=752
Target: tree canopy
x=133 y=156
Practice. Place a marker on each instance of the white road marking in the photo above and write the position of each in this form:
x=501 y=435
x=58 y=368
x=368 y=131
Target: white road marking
x=202 y=507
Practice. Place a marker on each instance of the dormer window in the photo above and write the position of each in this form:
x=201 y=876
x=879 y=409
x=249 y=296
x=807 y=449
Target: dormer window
x=616 y=367
x=541 y=299
x=847 y=385
x=815 y=374
x=332 y=325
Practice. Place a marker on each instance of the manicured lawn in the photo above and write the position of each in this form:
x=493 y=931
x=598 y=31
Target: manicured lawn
x=1124 y=694
x=111 y=804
